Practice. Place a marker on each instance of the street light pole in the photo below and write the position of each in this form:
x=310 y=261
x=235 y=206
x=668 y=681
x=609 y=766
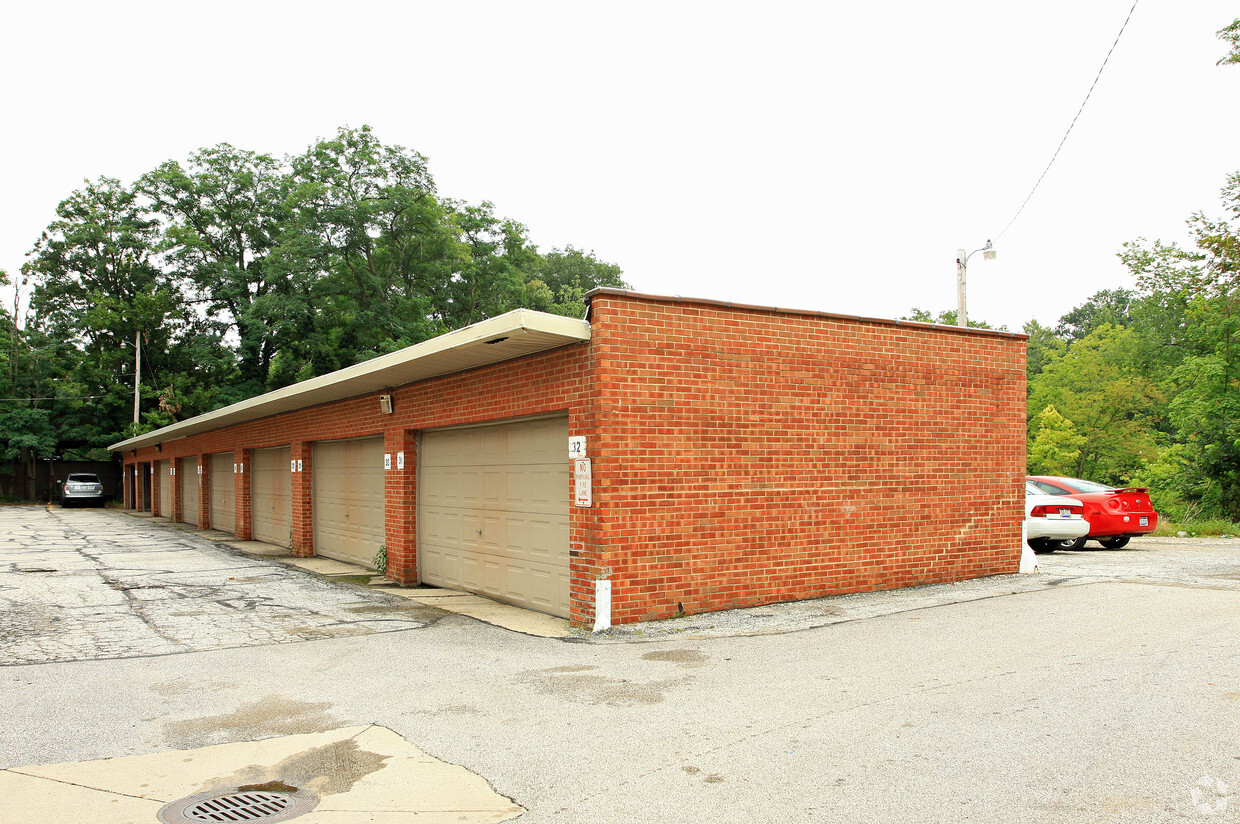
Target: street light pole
x=962 y=311
x=962 y=265
x=137 y=372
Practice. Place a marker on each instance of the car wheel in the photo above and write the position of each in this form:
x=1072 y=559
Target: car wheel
x=1115 y=543
x=1074 y=544
x=1043 y=545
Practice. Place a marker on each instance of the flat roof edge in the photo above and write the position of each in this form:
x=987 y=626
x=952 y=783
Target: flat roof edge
x=514 y=321
x=749 y=307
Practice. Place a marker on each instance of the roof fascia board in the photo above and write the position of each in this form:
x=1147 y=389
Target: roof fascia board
x=356 y=379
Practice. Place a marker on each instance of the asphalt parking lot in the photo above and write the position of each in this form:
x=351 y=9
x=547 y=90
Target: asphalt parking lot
x=1104 y=688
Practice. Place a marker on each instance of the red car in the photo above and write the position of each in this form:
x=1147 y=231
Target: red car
x=1114 y=515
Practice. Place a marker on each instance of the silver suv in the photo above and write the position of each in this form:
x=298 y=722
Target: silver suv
x=82 y=488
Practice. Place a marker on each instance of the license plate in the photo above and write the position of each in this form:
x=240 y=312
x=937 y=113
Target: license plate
x=1144 y=520
x=1065 y=513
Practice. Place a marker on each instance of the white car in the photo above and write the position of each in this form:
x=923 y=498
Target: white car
x=1051 y=519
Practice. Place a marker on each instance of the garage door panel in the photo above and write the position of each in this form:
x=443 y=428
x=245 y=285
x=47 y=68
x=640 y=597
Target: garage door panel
x=223 y=505
x=514 y=489
x=165 y=488
x=511 y=482
x=271 y=496
x=447 y=563
x=349 y=519
x=189 y=491
x=527 y=442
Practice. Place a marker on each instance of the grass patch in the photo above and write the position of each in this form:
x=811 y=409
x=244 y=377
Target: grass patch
x=1195 y=528
x=360 y=580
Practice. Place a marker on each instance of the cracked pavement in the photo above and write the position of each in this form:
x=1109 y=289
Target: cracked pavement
x=82 y=584
x=1105 y=689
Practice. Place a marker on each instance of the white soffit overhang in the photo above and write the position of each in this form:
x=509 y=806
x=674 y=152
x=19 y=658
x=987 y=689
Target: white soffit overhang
x=511 y=335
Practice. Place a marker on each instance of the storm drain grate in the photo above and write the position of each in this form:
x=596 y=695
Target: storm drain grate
x=238 y=806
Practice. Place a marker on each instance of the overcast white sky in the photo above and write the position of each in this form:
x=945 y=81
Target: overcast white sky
x=826 y=155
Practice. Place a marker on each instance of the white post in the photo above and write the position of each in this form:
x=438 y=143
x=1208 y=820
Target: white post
x=1028 y=561
x=602 y=604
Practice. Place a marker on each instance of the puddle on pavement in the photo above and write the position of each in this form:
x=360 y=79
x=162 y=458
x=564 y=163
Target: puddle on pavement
x=686 y=657
x=420 y=612
x=572 y=684
x=273 y=715
x=187 y=687
x=327 y=770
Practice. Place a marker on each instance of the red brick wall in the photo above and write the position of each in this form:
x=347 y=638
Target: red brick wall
x=303 y=498
x=748 y=457
x=740 y=456
x=401 y=491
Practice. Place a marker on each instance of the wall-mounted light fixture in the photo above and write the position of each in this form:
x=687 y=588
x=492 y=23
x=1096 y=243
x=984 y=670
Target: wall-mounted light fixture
x=385 y=404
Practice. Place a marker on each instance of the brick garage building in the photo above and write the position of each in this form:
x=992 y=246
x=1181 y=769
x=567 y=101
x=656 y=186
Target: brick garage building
x=738 y=455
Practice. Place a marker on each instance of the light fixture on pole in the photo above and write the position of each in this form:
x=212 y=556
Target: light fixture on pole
x=962 y=264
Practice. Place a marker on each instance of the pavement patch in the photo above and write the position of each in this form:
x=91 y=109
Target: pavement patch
x=93 y=584
x=357 y=774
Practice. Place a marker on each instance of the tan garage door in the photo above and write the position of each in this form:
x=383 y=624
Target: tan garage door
x=189 y=490
x=165 y=488
x=223 y=488
x=271 y=496
x=493 y=512
x=348 y=500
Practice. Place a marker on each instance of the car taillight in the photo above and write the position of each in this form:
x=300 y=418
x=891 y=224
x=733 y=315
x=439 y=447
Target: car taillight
x=1043 y=510
x=1113 y=503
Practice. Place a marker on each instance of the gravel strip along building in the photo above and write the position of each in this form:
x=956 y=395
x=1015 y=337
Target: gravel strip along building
x=662 y=456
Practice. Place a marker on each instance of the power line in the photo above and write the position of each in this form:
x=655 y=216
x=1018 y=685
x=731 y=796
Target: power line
x=1073 y=123
x=60 y=398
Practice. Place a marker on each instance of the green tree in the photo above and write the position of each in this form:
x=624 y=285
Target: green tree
x=946 y=318
x=365 y=253
x=1193 y=295
x=1111 y=306
x=1055 y=448
x=223 y=211
x=235 y=273
x=1231 y=36
x=96 y=288
x=26 y=432
x=1097 y=384
x=1043 y=345
x=493 y=279
x=569 y=274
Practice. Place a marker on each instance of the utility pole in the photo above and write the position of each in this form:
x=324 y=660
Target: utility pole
x=962 y=265
x=962 y=311
x=137 y=371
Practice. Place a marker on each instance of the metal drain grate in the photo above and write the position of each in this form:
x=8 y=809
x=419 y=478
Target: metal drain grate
x=239 y=806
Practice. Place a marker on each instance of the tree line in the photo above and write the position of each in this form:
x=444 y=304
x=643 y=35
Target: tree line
x=1141 y=386
x=236 y=272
